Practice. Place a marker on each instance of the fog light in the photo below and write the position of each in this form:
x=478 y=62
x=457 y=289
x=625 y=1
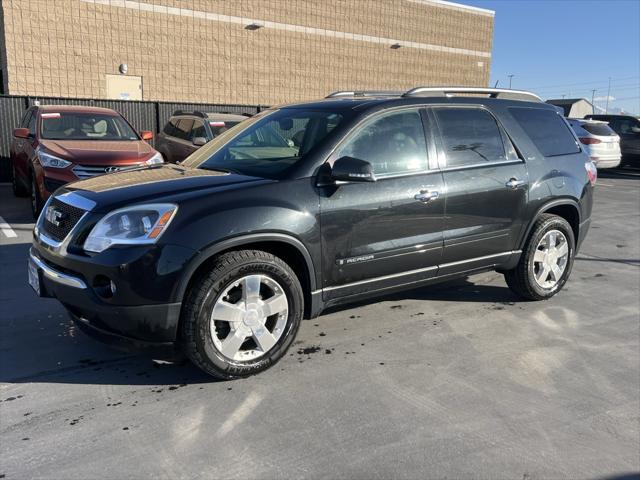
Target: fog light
x=104 y=286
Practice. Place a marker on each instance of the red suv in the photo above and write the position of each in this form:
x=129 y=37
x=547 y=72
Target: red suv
x=58 y=144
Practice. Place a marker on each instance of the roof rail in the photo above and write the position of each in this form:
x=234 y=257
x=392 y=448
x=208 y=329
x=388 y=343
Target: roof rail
x=491 y=92
x=364 y=93
x=194 y=113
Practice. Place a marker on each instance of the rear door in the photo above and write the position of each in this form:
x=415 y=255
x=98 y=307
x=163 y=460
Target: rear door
x=389 y=232
x=486 y=184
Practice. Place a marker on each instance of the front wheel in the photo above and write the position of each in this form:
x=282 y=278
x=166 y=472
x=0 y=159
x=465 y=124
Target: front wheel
x=546 y=262
x=241 y=316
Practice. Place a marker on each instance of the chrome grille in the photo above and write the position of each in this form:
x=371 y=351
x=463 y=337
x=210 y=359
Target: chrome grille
x=67 y=218
x=88 y=171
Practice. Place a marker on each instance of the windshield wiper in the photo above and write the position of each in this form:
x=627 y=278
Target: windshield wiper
x=221 y=169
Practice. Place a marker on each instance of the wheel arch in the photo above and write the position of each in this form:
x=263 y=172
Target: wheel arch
x=566 y=208
x=288 y=248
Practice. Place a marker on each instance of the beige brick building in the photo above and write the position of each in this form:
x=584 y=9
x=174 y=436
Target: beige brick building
x=240 y=51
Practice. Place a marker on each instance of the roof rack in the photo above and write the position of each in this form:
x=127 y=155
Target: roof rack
x=364 y=93
x=195 y=113
x=491 y=92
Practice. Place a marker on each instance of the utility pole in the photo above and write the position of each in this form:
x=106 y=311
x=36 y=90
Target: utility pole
x=510 y=77
x=593 y=105
x=564 y=95
x=606 y=108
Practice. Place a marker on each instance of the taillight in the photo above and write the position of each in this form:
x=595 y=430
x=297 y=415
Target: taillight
x=589 y=140
x=592 y=172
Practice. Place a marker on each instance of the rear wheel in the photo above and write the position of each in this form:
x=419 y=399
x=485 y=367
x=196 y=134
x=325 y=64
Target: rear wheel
x=242 y=315
x=546 y=262
x=19 y=189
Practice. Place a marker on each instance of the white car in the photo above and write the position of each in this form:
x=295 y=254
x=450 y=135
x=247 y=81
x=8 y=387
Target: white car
x=599 y=140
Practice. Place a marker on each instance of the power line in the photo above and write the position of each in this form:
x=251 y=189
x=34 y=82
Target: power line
x=592 y=82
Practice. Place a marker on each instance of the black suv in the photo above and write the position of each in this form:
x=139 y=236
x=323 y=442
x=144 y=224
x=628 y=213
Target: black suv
x=186 y=132
x=223 y=255
x=628 y=128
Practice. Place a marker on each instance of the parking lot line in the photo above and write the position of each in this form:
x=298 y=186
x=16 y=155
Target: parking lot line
x=6 y=229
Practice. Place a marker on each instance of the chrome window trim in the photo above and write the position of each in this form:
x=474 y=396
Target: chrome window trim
x=55 y=275
x=486 y=164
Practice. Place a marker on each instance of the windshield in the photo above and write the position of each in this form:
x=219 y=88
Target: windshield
x=85 y=126
x=267 y=144
x=218 y=127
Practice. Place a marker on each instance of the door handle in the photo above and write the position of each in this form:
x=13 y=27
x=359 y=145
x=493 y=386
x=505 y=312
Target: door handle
x=514 y=183
x=426 y=195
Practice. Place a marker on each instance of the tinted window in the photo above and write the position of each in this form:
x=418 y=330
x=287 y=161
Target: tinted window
x=198 y=130
x=624 y=125
x=263 y=145
x=394 y=144
x=85 y=126
x=470 y=135
x=547 y=130
x=218 y=126
x=183 y=128
x=170 y=127
x=600 y=129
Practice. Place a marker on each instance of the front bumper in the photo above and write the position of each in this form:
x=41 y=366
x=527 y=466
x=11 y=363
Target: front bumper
x=151 y=327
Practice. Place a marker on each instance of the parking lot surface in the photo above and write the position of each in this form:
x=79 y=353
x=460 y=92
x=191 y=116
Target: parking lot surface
x=456 y=380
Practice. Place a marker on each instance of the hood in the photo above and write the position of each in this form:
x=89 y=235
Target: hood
x=159 y=183
x=99 y=152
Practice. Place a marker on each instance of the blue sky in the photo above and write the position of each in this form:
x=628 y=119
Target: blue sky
x=568 y=47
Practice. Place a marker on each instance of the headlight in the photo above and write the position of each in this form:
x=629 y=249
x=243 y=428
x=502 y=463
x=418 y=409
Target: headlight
x=157 y=158
x=51 y=161
x=139 y=225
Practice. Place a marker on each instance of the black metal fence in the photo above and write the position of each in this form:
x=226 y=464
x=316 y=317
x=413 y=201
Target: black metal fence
x=142 y=115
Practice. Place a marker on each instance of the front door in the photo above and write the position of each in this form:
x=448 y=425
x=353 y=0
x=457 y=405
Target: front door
x=388 y=232
x=486 y=185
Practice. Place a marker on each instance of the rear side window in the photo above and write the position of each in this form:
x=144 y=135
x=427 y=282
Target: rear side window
x=547 y=130
x=599 y=129
x=470 y=135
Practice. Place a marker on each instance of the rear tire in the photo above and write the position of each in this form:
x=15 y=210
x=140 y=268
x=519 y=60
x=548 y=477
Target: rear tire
x=546 y=261
x=19 y=189
x=241 y=316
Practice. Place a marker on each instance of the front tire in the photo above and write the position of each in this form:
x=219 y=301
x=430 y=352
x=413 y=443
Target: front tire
x=241 y=316
x=18 y=188
x=546 y=261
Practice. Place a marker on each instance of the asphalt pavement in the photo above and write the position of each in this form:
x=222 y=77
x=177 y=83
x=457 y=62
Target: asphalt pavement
x=460 y=380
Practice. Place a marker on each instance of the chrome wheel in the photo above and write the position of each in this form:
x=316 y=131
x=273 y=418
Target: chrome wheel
x=550 y=259
x=249 y=317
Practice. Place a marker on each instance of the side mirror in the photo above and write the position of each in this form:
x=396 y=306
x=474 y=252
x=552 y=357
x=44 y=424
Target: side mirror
x=21 y=132
x=199 y=141
x=635 y=129
x=349 y=169
x=146 y=135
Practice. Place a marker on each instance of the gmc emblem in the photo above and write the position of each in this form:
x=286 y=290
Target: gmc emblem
x=54 y=216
